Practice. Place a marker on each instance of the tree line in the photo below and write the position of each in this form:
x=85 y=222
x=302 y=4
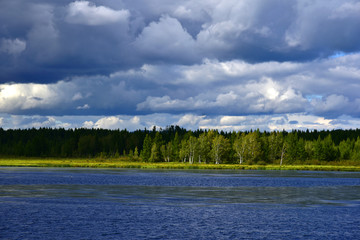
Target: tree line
x=177 y=144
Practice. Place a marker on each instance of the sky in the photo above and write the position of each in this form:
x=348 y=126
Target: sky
x=214 y=64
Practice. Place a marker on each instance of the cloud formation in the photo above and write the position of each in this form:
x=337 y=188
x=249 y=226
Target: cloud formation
x=205 y=63
x=277 y=122
x=83 y=12
x=212 y=87
x=166 y=40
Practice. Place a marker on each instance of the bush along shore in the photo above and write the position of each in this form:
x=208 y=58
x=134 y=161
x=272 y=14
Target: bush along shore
x=128 y=163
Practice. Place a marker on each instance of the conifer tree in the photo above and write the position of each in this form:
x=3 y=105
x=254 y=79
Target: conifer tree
x=147 y=147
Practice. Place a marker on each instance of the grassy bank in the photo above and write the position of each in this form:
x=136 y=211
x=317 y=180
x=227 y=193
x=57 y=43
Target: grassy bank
x=125 y=163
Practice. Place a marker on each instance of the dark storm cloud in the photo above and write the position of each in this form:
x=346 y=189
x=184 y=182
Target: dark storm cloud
x=46 y=41
x=63 y=39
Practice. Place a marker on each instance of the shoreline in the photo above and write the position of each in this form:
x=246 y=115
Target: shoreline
x=98 y=163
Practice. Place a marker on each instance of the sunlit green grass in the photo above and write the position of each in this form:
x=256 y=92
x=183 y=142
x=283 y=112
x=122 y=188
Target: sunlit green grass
x=126 y=163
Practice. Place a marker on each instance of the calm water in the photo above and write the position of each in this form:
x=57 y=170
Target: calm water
x=37 y=203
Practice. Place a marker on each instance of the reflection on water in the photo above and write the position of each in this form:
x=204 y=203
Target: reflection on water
x=136 y=204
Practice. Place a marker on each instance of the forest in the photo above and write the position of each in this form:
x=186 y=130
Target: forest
x=175 y=144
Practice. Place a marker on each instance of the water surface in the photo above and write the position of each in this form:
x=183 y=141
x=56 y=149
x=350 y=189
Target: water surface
x=58 y=203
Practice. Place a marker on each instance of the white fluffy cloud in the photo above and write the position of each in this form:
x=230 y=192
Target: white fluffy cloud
x=116 y=122
x=232 y=120
x=213 y=87
x=82 y=94
x=109 y=122
x=264 y=96
x=83 y=12
x=277 y=122
x=17 y=97
x=166 y=39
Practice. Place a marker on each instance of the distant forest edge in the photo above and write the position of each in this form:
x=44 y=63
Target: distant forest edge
x=175 y=144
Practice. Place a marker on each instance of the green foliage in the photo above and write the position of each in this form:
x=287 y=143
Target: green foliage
x=175 y=144
x=239 y=146
x=136 y=152
x=253 y=150
x=86 y=145
x=275 y=146
x=324 y=150
x=147 y=147
x=184 y=150
x=125 y=163
x=330 y=152
x=220 y=149
x=355 y=155
x=155 y=154
x=292 y=147
x=204 y=146
x=345 y=149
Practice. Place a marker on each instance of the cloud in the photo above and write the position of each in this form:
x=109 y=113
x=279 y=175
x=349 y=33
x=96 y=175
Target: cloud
x=323 y=29
x=264 y=96
x=347 y=10
x=233 y=88
x=76 y=38
x=85 y=106
x=25 y=122
x=181 y=60
x=42 y=36
x=191 y=120
x=276 y=122
x=164 y=103
x=116 y=122
x=231 y=120
x=49 y=122
x=166 y=39
x=83 y=12
x=108 y=122
x=77 y=96
x=89 y=95
x=183 y=12
x=17 y=97
x=333 y=104
x=88 y=124
x=12 y=46
x=249 y=30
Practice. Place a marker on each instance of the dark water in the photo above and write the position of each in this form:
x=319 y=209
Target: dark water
x=37 y=203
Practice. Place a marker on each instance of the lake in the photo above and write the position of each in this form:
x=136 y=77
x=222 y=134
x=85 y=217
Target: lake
x=64 y=203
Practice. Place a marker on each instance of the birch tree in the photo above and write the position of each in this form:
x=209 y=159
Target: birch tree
x=283 y=149
x=184 y=150
x=192 y=146
x=166 y=151
x=253 y=150
x=220 y=147
x=204 y=146
x=240 y=146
